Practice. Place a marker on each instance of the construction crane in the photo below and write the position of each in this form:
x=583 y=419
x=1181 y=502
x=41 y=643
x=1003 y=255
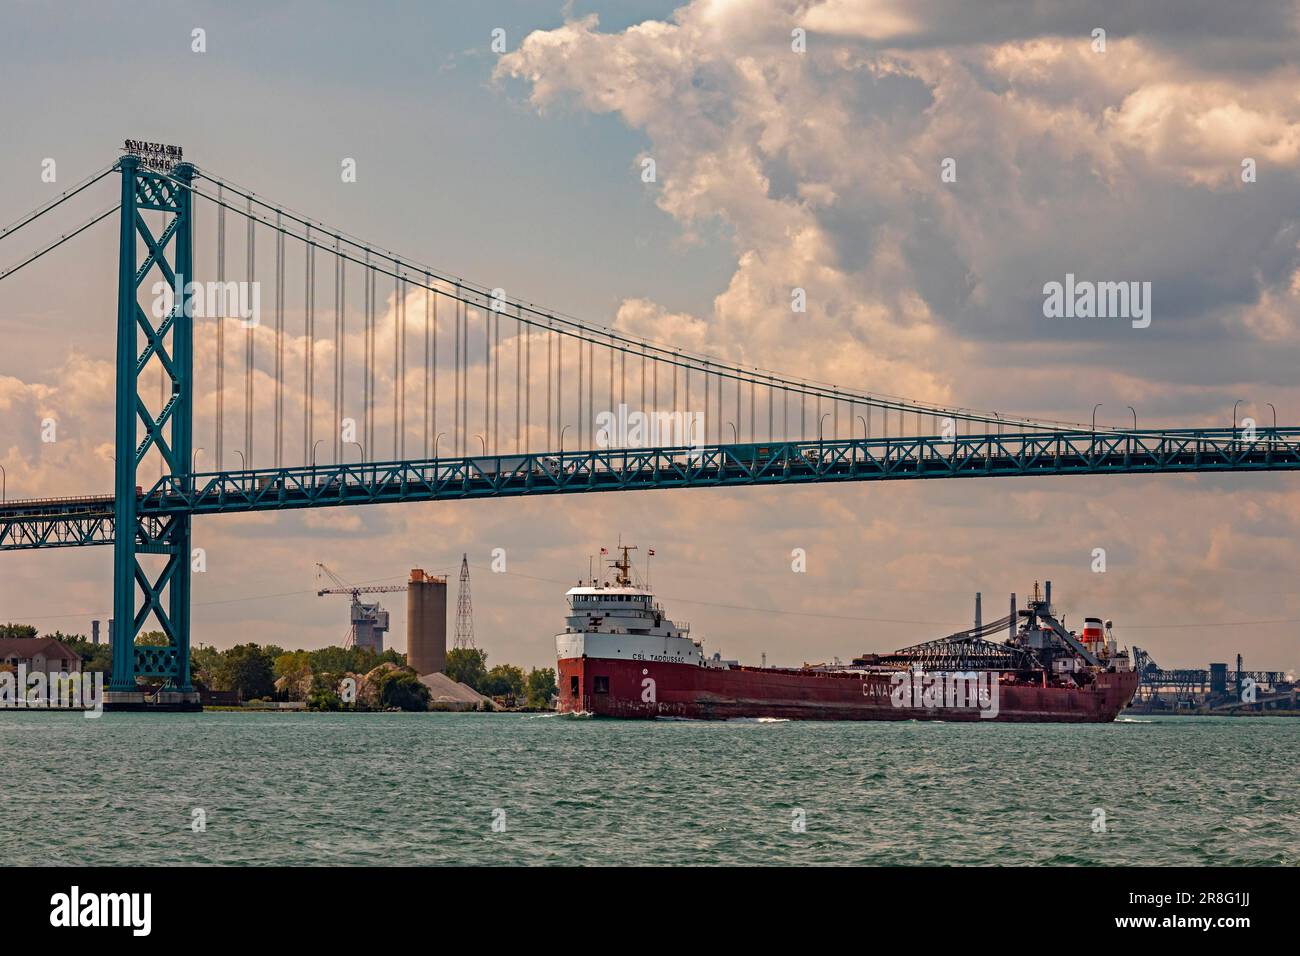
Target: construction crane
x=369 y=622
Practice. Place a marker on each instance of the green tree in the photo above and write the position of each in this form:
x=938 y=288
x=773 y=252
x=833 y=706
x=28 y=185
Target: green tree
x=205 y=660
x=403 y=690
x=246 y=669
x=505 y=680
x=17 y=630
x=469 y=666
x=541 y=686
x=358 y=660
x=324 y=693
x=152 y=639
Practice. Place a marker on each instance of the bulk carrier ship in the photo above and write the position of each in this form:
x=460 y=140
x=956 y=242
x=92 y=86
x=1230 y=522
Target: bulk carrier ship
x=621 y=656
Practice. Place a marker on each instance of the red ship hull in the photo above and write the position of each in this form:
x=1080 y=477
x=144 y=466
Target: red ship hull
x=646 y=689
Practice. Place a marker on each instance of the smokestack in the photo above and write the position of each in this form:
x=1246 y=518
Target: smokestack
x=94 y=632
x=426 y=623
x=1011 y=628
x=979 y=617
x=110 y=630
x=1047 y=595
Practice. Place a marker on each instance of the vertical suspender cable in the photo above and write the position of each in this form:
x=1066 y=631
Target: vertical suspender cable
x=279 y=341
x=221 y=328
x=428 y=376
x=341 y=348
x=248 y=343
x=464 y=395
x=487 y=379
x=496 y=382
x=397 y=362
x=337 y=412
x=687 y=407
x=367 y=348
x=519 y=358
x=674 y=388
x=580 y=419
x=309 y=355
x=528 y=376
x=559 y=388
x=455 y=430
x=550 y=347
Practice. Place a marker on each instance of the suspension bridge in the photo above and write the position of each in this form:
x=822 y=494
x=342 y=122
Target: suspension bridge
x=516 y=382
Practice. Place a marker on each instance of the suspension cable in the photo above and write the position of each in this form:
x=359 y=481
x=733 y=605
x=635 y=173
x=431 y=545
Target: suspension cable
x=572 y=327
x=57 y=201
x=61 y=240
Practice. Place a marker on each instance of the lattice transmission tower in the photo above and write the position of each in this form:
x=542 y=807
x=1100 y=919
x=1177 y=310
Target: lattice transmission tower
x=464 y=608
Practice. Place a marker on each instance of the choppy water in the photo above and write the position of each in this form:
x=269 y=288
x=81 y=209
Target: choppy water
x=423 y=789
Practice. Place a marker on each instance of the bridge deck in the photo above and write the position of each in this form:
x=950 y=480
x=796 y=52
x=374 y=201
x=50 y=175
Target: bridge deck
x=67 y=522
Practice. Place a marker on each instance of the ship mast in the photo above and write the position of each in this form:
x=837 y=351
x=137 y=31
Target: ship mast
x=623 y=579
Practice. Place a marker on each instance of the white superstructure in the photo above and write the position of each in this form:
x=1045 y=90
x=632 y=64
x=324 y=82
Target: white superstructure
x=622 y=621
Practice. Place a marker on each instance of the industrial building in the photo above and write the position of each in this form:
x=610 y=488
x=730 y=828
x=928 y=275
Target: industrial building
x=1213 y=690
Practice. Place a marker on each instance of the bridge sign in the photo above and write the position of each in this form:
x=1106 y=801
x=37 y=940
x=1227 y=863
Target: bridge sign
x=156 y=156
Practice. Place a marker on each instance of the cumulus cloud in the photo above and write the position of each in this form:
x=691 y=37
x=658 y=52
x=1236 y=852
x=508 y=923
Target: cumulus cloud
x=1124 y=164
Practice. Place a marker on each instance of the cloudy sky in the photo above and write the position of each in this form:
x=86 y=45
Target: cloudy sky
x=776 y=167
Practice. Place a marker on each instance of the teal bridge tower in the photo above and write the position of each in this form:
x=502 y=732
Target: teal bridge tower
x=151 y=555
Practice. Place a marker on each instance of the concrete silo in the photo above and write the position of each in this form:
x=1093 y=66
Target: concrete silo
x=426 y=623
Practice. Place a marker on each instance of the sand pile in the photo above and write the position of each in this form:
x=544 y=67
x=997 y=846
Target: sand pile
x=445 y=692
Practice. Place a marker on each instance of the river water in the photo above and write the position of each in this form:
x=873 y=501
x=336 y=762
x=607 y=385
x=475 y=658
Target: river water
x=310 y=789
